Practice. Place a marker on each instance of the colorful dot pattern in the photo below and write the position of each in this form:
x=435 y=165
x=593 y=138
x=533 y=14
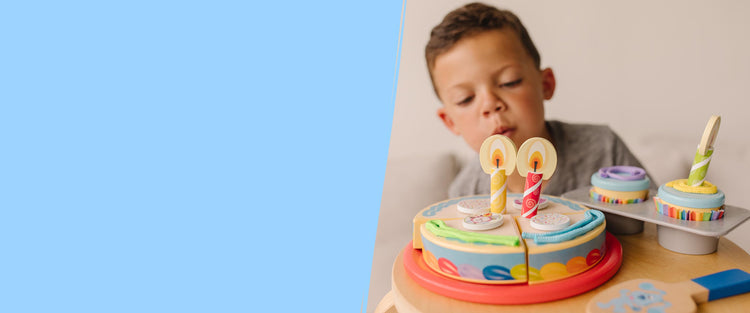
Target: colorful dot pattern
x=550 y=271
x=602 y=198
x=686 y=214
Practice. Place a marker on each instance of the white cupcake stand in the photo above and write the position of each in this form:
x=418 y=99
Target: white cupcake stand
x=688 y=237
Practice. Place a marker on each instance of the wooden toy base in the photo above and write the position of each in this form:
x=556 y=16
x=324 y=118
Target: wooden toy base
x=514 y=294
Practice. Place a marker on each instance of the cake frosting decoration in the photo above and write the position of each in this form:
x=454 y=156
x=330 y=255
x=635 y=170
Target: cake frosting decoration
x=474 y=206
x=485 y=221
x=439 y=228
x=684 y=186
x=592 y=219
x=622 y=172
x=550 y=221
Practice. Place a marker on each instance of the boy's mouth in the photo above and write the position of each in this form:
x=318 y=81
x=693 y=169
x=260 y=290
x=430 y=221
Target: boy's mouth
x=505 y=131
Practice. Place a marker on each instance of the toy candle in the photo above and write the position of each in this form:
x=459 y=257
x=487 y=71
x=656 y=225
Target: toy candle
x=704 y=152
x=498 y=191
x=498 y=158
x=531 y=192
x=699 y=168
x=539 y=160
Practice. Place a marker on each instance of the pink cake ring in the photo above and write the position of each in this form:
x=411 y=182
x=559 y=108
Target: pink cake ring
x=622 y=172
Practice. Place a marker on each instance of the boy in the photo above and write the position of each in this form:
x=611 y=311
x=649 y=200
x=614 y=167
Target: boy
x=486 y=71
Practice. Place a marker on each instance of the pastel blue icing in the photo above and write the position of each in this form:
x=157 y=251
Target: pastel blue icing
x=592 y=219
x=691 y=200
x=619 y=185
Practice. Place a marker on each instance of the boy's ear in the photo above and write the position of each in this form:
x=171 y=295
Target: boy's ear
x=447 y=121
x=548 y=83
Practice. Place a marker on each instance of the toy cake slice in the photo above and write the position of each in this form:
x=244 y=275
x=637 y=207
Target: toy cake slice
x=565 y=254
x=476 y=261
x=445 y=211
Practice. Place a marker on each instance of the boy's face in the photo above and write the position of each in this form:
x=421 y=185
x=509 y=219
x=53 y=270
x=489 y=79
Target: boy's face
x=489 y=85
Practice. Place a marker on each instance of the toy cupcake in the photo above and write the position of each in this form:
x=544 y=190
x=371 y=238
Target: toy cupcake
x=678 y=200
x=694 y=198
x=620 y=185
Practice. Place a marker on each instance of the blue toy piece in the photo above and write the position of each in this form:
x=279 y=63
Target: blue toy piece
x=651 y=298
x=725 y=284
x=658 y=297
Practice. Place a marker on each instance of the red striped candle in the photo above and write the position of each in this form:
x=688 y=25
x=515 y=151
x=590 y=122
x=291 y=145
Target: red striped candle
x=531 y=194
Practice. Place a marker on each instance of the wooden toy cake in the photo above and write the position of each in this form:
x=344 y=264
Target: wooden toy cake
x=480 y=239
x=515 y=251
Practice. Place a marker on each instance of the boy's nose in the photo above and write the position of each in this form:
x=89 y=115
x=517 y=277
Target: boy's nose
x=492 y=105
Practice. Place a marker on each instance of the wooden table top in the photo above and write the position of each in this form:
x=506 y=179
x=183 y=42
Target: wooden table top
x=643 y=257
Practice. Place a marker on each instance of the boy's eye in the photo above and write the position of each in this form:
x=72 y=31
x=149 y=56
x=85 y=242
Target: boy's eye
x=512 y=84
x=465 y=101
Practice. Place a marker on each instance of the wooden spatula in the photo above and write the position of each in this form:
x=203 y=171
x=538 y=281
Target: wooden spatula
x=651 y=296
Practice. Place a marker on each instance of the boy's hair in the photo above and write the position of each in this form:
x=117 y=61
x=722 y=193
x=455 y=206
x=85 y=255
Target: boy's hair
x=469 y=20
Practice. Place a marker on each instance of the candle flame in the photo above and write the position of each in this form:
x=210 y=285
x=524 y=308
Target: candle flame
x=536 y=161
x=497 y=158
x=537 y=153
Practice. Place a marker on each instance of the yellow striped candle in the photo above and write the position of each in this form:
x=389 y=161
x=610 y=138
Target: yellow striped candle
x=498 y=189
x=498 y=158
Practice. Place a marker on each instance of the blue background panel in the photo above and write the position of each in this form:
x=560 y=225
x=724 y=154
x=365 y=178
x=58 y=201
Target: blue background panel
x=172 y=156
